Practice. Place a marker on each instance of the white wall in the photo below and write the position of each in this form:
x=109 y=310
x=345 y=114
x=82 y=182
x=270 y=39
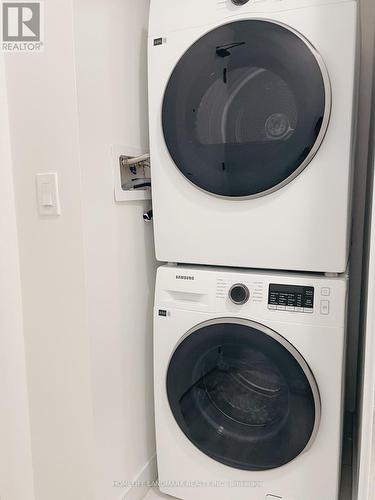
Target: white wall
x=367 y=393
x=360 y=327
x=16 y=474
x=111 y=41
x=367 y=17
x=88 y=275
x=44 y=137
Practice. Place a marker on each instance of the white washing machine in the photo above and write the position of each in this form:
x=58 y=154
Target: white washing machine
x=248 y=384
x=251 y=128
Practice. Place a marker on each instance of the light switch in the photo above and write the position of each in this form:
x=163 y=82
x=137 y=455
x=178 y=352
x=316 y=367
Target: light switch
x=46 y=200
x=48 y=194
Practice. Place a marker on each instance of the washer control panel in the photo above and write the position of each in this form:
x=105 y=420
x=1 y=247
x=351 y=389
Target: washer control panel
x=291 y=298
x=239 y=294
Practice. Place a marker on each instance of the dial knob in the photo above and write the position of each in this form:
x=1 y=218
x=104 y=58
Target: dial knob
x=240 y=2
x=239 y=294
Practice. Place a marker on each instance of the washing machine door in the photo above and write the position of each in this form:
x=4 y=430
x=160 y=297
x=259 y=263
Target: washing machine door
x=246 y=109
x=243 y=395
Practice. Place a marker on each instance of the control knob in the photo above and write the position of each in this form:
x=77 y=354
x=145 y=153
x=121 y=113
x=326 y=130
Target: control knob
x=239 y=294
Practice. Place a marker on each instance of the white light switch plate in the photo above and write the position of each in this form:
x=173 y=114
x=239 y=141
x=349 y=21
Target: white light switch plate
x=48 y=194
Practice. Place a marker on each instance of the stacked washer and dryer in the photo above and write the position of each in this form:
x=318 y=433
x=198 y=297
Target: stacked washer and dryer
x=252 y=119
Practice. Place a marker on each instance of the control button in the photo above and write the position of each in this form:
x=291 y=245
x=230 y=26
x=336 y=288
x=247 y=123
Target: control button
x=308 y=310
x=324 y=307
x=272 y=307
x=281 y=308
x=239 y=294
x=291 y=309
x=326 y=292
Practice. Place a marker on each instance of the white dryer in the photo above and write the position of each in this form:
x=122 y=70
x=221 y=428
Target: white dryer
x=251 y=130
x=248 y=384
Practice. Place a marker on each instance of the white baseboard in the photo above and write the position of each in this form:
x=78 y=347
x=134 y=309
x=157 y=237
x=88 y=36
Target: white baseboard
x=142 y=482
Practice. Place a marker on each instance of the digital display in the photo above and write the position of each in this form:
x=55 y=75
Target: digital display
x=291 y=297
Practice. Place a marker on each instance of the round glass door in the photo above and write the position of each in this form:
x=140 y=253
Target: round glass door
x=243 y=395
x=246 y=109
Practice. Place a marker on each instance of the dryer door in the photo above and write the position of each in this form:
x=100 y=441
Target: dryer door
x=246 y=109
x=243 y=395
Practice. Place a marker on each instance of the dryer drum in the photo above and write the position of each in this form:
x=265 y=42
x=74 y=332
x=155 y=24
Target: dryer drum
x=246 y=108
x=243 y=395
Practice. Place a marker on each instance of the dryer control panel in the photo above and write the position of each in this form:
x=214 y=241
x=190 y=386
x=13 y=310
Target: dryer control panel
x=291 y=298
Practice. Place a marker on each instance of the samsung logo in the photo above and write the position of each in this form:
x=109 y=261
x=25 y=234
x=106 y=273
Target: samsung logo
x=187 y=278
